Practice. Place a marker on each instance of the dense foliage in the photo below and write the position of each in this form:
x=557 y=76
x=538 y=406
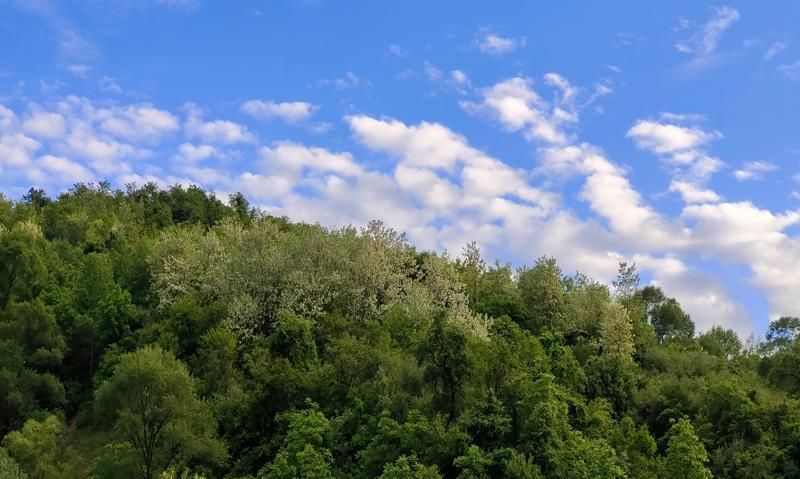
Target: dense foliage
x=164 y=334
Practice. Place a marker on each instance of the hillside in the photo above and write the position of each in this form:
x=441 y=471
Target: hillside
x=151 y=333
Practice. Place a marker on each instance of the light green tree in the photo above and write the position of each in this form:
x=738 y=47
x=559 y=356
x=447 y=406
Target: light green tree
x=686 y=455
x=9 y=469
x=407 y=467
x=302 y=454
x=616 y=332
x=35 y=447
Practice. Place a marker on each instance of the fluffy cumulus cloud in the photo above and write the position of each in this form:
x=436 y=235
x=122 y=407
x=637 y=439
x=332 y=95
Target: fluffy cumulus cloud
x=518 y=107
x=79 y=140
x=683 y=145
x=215 y=131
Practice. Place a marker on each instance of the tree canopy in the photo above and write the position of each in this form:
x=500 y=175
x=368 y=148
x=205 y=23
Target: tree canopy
x=164 y=333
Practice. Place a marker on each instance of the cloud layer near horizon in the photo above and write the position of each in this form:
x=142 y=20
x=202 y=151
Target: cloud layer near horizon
x=433 y=184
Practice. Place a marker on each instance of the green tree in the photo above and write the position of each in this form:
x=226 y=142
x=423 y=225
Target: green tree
x=150 y=401
x=686 y=455
x=35 y=447
x=447 y=364
x=519 y=466
x=720 y=342
x=616 y=332
x=215 y=361
x=636 y=449
x=782 y=332
x=9 y=469
x=292 y=339
x=302 y=453
x=407 y=467
x=627 y=282
x=23 y=270
x=542 y=292
x=473 y=464
x=470 y=270
x=670 y=321
x=31 y=350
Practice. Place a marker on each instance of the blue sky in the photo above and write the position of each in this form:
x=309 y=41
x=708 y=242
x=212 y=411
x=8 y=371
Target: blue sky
x=660 y=132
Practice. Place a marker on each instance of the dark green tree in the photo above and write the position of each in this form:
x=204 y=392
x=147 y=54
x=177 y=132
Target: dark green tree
x=151 y=403
x=447 y=364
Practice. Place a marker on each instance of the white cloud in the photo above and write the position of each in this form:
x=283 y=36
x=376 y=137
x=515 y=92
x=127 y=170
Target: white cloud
x=108 y=84
x=601 y=89
x=774 y=49
x=568 y=91
x=492 y=43
x=427 y=144
x=217 y=131
x=139 y=123
x=290 y=112
x=433 y=191
x=432 y=71
x=295 y=157
x=263 y=186
x=66 y=170
x=743 y=233
x=459 y=77
x=427 y=147
x=189 y=153
x=705 y=41
x=8 y=118
x=519 y=108
x=80 y=71
x=681 y=144
x=16 y=149
x=104 y=154
x=668 y=138
x=754 y=170
x=44 y=124
x=692 y=193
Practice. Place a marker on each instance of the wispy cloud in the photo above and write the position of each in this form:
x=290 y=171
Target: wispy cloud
x=398 y=51
x=80 y=70
x=791 y=70
x=349 y=81
x=702 y=45
x=432 y=71
x=290 y=112
x=754 y=170
x=110 y=85
x=776 y=48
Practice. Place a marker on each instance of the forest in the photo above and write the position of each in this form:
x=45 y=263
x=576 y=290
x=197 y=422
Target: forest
x=150 y=333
